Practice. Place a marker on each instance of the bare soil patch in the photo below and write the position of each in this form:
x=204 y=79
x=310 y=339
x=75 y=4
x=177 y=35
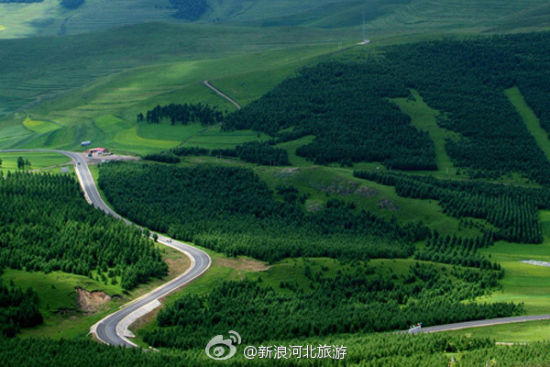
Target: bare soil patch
x=91 y=301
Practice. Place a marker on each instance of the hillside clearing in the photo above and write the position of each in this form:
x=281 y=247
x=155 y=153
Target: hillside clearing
x=530 y=119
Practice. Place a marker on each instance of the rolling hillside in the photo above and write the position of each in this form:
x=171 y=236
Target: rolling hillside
x=354 y=188
x=382 y=16
x=95 y=92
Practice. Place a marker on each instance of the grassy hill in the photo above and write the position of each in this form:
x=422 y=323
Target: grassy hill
x=92 y=86
x=382 y=16
x=40 y=67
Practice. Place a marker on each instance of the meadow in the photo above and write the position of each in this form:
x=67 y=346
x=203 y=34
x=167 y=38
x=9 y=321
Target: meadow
x=425 y=118
x=382 y=18
x=243 y=58
x=58 y=301
x=105 y=111
x=530 y=119
x=39 y=161
x=519 y=333
x=524 y=282
x=67 y=93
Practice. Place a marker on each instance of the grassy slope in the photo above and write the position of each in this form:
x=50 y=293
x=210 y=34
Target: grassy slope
x=104 y=111
x=425 y=118
x=530 y=119
x=50 y=66
x=58 y=301
x=525 y=332
x=464 y=16
x=382 y=17
x=411 y=15
x=39 y=161
x=524 y=282
x=49 y=18
x=104 y=107
x=322 y=183
x=158 y=62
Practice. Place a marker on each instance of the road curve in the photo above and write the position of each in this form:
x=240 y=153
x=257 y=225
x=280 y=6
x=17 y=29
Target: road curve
x=221 y=94
x=113 y=328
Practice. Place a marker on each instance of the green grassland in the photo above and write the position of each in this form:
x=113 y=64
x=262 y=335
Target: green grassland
x=39 y=161
x=105 y=110
x=58 y=303
x=382 y=17
x=524 y=282
x=468 y=16
x=522 y=332
x=425 y=118
x=88 y=87
x=50 y=18
x=530 y=119
x=61 y=64
x=72 y=82
x=322 y=183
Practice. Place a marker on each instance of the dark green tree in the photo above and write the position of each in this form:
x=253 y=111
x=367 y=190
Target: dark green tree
x=20 y=163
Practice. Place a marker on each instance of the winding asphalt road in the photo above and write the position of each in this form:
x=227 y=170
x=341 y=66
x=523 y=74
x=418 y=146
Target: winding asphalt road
x=113 y=328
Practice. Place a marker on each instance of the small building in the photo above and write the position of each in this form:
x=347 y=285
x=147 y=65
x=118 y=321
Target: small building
x=98 y=151
x=86 y=143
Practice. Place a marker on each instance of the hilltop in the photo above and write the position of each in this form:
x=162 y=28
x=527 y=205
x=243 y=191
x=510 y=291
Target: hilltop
x=20 y=18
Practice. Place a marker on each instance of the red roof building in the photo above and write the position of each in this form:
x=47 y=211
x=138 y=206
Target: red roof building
x=98 y=150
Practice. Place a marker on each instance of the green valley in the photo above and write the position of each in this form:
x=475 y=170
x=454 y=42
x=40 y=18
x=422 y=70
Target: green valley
x=332 y=182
